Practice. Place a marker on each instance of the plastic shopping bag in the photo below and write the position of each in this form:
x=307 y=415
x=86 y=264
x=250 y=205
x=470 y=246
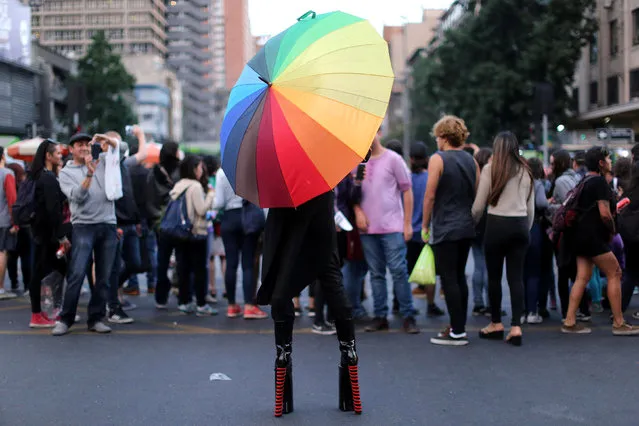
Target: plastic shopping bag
x=424 y=271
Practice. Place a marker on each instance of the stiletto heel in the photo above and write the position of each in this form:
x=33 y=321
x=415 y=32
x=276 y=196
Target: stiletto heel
x=514 y=340
x=283 y=381
x=349 y=396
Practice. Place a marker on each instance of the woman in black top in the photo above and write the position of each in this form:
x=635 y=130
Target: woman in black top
x=630 y=243
x=590 y=241
x=47 y=229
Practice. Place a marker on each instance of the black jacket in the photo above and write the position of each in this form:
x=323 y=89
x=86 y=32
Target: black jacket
x=47 y=226
x=126 y=210
x=139 y=175
x=159 y=184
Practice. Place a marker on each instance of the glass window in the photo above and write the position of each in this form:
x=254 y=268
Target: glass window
x=634 y=84
x=614 y=37
x=613 y=90
x=594 y=49
x=594 y=92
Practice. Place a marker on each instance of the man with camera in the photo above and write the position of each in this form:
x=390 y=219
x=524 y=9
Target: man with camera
x=84 y=182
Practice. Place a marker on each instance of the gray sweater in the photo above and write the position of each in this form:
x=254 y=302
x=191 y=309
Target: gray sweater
x=88 y=207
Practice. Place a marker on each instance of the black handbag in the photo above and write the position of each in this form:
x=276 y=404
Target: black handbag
x=253 y=219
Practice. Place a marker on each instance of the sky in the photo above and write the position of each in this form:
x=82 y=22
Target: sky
x=270 y=17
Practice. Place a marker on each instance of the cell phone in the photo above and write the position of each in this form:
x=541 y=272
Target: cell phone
x=361 y=168
x=96 y=150
x=128 y=130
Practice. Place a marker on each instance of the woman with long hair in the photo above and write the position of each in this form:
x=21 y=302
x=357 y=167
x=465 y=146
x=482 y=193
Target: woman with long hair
x=192 y=259
x=48 y=229
x=630 y=245
x=506 y=187
x=480 y=274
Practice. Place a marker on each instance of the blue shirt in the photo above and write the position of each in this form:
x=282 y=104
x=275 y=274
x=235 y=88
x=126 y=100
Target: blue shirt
x=419 y=190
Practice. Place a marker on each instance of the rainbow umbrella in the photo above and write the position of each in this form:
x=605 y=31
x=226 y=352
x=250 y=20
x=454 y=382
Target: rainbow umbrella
x=305 y=109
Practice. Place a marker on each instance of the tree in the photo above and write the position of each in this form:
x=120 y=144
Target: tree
x=486 y=69
x=107 y=84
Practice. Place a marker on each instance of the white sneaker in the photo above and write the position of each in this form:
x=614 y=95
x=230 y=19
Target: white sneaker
x=205 y=311
x=161 y=307
x=187 y=309
x=534 y=318
x=4 y=294
x=523 y=319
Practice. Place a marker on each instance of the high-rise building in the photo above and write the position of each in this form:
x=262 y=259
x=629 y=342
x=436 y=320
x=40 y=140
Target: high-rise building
x=606 y=85
x=190 y=37
x=132 y=26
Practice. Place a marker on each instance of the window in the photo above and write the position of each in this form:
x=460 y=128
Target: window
x=635 y=27
x=575 y=99
x=594 y=91
x=634 y=84
x=614 y=37
x=613 y=90
x=594 y=50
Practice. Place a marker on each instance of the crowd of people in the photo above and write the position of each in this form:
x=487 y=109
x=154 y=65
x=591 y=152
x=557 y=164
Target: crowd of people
x=104 y=215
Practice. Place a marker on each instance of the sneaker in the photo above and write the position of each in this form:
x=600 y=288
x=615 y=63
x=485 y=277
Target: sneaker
x=596 y=308
x=311 y=314
x=419 y=292
x=60 y=329
x=575 y=329
x=129 y=291
x=625 y=329
x=211 y=298
x=636 y=315
x=522 y=319
x=128 y=306
x=233 y=311
x=40 y=320
x=583 y=317
x=298 y=312
x=205 y=311
x=100 y=328
x=161 y=307
x=448 y=340
x=434 y=311
x=253 y=312
x=5 y=295
x=26 y=294
x=479 y=311
x=186 y=309
x=410 y=326
x=379 y=324
x=323 y=329
x=534 y=318
x=118 y=316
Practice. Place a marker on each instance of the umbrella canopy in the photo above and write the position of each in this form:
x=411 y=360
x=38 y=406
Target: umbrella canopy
x=26 y=149
x=305 y=109
x=153 y=153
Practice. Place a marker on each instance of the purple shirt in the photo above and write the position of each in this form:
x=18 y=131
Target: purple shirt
x=387 y=177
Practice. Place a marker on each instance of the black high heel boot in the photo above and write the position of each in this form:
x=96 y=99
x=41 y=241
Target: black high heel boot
x=349 y=397
x=283 y=368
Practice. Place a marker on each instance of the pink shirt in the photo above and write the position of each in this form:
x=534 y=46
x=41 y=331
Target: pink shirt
x=387 y=177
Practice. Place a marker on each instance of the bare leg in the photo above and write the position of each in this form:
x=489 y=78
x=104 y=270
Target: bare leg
x=3 y=267
x=584 y=272
x=430 y=294
x=212 y=275
x=608 y=264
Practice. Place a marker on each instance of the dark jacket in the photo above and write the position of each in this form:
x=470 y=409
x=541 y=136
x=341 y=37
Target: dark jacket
x=126 y=210
x=48 y=224
x=159 y=184
x=139 y=175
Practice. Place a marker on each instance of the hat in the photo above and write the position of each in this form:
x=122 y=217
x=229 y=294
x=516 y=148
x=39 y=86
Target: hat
x=79 y=137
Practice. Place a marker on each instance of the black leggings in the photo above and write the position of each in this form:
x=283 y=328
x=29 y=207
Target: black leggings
x=506 y=238
x=45 y=262
x=192 y=261
x=330 y=283
x=23 y=252
x=450 y=264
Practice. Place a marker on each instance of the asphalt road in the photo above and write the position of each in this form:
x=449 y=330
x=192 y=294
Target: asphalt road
x=157 y=372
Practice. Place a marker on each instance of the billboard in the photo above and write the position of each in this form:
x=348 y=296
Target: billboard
x=15 y=32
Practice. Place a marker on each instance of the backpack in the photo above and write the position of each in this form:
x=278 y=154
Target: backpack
x=253 y=220
x=175 y=222
x=568 y=213
x=24 y=209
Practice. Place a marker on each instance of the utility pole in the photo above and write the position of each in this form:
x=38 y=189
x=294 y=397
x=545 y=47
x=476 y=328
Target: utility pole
x=544 y=139
x=406 y=92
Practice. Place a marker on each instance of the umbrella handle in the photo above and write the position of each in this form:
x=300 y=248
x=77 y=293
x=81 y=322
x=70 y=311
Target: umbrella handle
x=307 y=14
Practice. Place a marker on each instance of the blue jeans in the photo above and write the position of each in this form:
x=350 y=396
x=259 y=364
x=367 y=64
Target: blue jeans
x=354 y=272
x=480 y=274
x=102 y=240
x=150 y=242
x=237 y=244
x=388 y=250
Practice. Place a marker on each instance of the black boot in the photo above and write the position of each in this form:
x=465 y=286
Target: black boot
x=283 y=368
x=349 y=397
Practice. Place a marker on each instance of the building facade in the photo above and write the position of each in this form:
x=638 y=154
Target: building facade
x=607 y=79
x=132 y=26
